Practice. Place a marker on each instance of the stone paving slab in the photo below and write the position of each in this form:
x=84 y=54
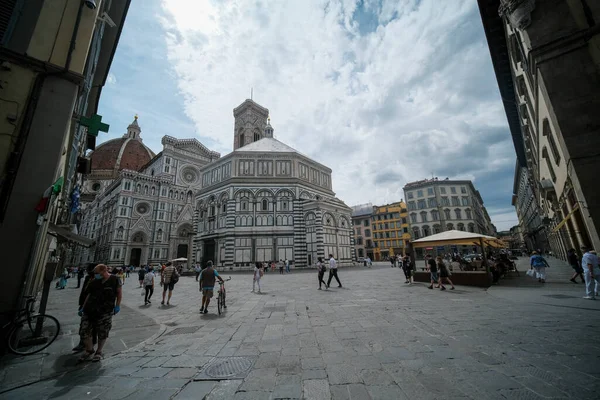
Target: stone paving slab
x=375 y=339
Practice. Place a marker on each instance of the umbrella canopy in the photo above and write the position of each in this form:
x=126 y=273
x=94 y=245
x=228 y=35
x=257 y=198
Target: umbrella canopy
x=179 y=259
x=457 y=238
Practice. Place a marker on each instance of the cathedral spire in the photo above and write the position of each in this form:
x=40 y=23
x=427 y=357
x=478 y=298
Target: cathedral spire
x=133 y=130
x=269 y=128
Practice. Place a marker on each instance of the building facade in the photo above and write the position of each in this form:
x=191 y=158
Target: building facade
x=363 y=238
x=534 y=232
x=436 y=206
x=142 y=205
x=391 y=235
x=546 y=58
x=265 y=201
x=55 y=58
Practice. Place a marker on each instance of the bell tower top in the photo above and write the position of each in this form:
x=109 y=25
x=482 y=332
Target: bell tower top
x=250 y=123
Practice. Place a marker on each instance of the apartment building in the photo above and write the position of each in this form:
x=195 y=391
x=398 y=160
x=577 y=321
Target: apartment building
x=363 y=237
x=436 y=206
x=391 y=234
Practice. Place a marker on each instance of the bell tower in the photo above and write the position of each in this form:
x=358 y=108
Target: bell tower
x=250 y=123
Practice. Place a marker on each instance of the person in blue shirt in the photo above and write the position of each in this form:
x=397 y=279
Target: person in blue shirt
x=591 y=273
x=540 y=264
x=207 y=279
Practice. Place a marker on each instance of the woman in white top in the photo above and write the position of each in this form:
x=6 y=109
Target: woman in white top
x=257 y=275
x=148 y=286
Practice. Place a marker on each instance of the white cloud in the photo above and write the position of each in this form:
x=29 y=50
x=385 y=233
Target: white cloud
x=382 y=102
x=111 y=79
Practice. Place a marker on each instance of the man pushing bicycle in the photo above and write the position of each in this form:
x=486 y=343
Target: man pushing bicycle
x=207 y=280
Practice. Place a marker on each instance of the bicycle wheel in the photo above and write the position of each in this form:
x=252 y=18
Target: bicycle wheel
x=219 y=302
x=29 y=337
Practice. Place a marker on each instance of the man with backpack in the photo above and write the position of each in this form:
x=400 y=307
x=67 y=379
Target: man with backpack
x=168 y=278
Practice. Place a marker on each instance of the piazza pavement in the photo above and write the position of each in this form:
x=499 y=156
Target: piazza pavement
x=375 y=338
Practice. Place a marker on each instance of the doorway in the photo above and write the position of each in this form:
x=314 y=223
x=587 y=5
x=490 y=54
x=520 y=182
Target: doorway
x=209 y=252
x=136 y=257
x=182 y=251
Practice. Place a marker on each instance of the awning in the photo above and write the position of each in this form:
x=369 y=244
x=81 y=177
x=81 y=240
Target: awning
x=565 y=219
x=454 y=237
x=68 y=235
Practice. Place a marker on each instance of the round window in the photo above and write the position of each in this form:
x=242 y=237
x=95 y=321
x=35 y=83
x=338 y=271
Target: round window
x=142 y=208
x=189 y=175
x=96 y=186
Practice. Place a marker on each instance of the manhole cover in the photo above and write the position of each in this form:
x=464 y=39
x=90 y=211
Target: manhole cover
x=274 y=308
x=560 y=296
x=183 y=330
x=229 y=367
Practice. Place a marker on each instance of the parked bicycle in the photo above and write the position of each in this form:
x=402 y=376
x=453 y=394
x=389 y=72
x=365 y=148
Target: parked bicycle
x=221 y=296
x=28 y=333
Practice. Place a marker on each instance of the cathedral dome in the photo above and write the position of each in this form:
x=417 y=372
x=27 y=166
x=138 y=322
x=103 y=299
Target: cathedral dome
x=127 y=152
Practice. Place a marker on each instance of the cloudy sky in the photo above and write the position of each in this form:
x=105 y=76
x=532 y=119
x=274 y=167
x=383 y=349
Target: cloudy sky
x=383 y=92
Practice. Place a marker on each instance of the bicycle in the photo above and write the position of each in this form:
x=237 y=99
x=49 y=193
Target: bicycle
x=221 y=296
x=30 y=333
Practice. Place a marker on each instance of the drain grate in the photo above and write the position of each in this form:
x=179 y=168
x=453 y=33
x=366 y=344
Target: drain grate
x=560 y=296
x=226 y=368
x=230 y=367
x=274 y=308
x=183 y=330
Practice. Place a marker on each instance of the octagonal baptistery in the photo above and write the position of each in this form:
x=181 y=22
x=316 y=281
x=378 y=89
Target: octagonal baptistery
x=266 y=201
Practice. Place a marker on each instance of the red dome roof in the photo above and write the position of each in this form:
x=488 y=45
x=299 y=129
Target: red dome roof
x=122 y=153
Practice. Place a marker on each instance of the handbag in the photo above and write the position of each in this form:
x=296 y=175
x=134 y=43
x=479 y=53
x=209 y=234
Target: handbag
x=175 y=277
x=531 y=273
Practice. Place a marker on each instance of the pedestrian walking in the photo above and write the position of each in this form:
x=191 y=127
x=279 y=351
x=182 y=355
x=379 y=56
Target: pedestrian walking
x=287 y=266
x=576 y=265
x=273 y=266
x=392 y=261
x=444 y=273
x=89 y=278
x=62 y=281
x=121 y=276
x=406 y=270
x=103 y=300
x=333 y=272
x=258 y=273
x=591 y=269
x=321 y=268
x=539 y=264
x=80 y=275
x=208 y=277
x=197 y=270
x=168 y=279
x=281 y=266
x=265 y=267
x=141 y=274
x=433 y=270
x=127 y=271
x=148 y=287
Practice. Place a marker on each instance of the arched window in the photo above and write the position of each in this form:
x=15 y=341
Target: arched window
x=413 y=218
x=416 y=233
x=244 y=204
x=435 y=215
x=138 y=188
x=458 y=213
x=437 y=228
x=265 y=205
x=426 y=230
x=424 y=218
x=241 y=140
x=153 y=190
x=472 y=228
x=468 y=212
x=159 y=235
x=447 y=212
x=547 y=132
x=152 y=172
x=120 y=233
x=461 y=226
x=170 y=194
x=224 y=207
x=256 y=136
x=145 y=189
x=549 y=164
x=450 y=227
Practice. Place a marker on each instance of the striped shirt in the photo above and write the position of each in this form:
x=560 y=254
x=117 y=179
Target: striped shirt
x=167 y=273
